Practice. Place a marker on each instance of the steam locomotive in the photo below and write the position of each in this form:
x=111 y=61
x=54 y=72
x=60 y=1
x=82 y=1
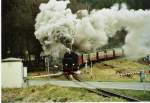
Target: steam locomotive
x=73 y=61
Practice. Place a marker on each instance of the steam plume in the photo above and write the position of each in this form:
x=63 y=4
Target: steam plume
x=56 y=27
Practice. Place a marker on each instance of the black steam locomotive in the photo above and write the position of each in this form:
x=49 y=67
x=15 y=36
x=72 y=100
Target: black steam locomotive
x=72 y=61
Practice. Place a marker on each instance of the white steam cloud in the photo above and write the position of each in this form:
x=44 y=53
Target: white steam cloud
x=56 y=26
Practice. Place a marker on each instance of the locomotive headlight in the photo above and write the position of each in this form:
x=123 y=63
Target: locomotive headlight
x=66 y=64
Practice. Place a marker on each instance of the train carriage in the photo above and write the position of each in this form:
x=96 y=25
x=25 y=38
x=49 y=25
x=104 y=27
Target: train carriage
x=80 y=61
x=85 y=58
x=93 y=56
x=109 y=54
x=118 y=52
x=101 y=55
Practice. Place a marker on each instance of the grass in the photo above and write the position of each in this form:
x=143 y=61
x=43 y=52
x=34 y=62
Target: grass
x=107 y=71
x=50 y=93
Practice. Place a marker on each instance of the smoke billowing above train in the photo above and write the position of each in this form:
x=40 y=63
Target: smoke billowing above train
x=56 y=27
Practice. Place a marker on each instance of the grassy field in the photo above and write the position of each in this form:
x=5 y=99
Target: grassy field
x=107 y=71
x=50 y=93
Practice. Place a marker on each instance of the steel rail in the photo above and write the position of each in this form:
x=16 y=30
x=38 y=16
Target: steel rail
x=103 y=92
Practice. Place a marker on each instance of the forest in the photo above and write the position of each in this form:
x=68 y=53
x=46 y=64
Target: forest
x=18 y=19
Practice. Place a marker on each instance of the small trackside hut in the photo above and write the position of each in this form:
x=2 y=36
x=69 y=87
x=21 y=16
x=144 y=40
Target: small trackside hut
x=13 y=73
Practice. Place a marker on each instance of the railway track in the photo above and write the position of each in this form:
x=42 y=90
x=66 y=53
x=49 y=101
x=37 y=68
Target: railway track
x=102 y=92
x=118 y=95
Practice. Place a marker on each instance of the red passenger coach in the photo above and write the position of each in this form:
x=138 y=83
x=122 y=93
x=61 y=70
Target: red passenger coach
x=118 y=52
x=101 y=55
x=93 y=56
x=85 y=58
x=80 y=61
x=109 y=54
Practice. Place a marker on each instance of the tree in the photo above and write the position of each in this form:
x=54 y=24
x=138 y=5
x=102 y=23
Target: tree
x=18 y=27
